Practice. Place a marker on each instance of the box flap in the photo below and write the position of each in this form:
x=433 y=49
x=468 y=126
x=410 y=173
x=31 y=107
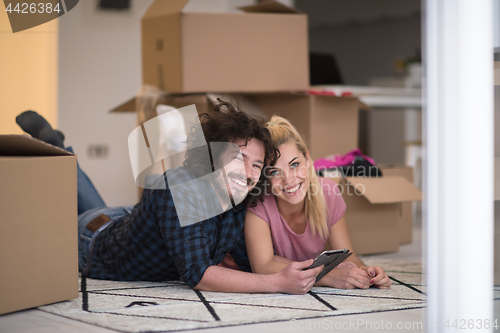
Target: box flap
x=25 y=145
x=270 y=7
x=363 y=106
x=386 y=189
x=128 y=106
x=164 y=7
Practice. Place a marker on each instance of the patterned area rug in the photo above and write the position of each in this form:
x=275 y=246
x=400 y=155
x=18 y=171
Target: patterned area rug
x=173 y=306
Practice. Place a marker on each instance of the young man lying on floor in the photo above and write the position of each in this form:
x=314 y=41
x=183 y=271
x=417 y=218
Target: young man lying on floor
x=148 y=242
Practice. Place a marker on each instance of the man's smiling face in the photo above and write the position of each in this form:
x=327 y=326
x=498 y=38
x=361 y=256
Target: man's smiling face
x=242 y=165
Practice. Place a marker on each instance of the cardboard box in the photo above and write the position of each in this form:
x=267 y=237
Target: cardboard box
x=372 y=214
x=263 y=49
x=329 y=124
x=405 y=208
x=38 y=224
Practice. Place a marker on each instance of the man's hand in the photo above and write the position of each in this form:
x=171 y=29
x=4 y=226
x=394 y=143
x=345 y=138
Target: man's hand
x=378 y=277
x=347 y=275
x=293 y=280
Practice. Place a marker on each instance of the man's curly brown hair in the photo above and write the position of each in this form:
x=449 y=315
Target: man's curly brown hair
x=227 y=123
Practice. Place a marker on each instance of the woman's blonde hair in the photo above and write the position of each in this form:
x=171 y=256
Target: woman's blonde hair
x=316 y=212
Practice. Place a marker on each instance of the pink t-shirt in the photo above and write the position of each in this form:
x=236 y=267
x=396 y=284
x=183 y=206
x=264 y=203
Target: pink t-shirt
x=303 y=246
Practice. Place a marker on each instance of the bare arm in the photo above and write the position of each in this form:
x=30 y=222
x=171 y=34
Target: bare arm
x=339 y=239
x=260 y=247
x=285 y=272
x=283 y=259
x=347 y=275
x=218 y=278
x=352 y=273
x=290 y=280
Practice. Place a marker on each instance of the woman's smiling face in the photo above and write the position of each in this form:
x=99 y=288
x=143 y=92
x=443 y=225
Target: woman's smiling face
x=289 y=178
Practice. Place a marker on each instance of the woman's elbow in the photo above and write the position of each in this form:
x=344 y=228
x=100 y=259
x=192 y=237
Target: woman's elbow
x=262 y=268
x=256 y=269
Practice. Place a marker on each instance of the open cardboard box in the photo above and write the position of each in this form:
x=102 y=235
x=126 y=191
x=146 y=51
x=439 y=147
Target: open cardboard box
x=373 y=210
x=406 y=208
x=264 y=48
x=38 y=224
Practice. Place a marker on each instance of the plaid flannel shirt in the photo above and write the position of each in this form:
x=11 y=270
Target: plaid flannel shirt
x=150 y=245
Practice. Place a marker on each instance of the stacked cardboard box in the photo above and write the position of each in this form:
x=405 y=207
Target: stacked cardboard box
x=38 y=229
x=329 y=124
x=264 y=48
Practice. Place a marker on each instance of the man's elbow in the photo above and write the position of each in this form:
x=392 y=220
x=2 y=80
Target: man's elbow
x=202 y=286
x=199 y=287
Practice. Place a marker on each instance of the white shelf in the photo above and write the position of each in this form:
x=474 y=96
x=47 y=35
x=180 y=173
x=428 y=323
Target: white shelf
x=380 y=97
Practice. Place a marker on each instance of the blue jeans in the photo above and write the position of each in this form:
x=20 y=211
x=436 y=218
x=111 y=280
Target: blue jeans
x=86 y=237
x=91 y=205
x=88 y=197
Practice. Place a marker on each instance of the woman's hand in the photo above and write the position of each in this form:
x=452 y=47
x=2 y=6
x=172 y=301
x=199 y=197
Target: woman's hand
x=339 y=239
x=378 y=277
x=346 y=275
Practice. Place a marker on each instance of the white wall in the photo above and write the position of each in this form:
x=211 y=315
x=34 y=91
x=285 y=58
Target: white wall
x=100 y=67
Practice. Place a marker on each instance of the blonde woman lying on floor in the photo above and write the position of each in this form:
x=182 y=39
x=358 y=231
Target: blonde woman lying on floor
x=301 y=216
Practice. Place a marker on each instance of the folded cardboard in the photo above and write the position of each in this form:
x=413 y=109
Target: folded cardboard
x=38 y=224
x=265 y=48
x=405 y=208
x=329 y=124
x=372 y=214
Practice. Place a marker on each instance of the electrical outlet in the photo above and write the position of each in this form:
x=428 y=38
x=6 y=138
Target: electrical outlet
x=99 y=150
